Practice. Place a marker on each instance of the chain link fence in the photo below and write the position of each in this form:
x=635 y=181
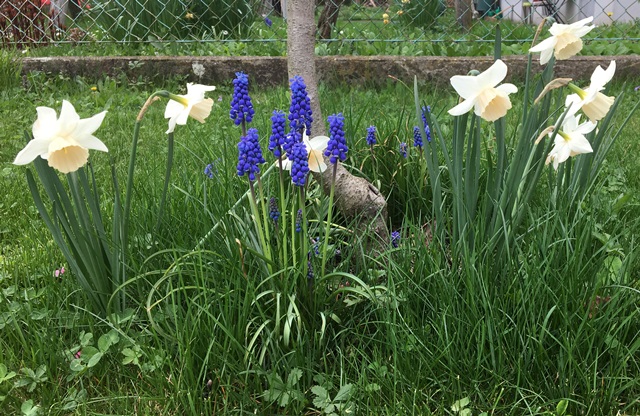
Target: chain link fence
x=363 y=27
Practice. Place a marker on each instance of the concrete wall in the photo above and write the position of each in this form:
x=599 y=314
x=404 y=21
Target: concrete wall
x=353 y=70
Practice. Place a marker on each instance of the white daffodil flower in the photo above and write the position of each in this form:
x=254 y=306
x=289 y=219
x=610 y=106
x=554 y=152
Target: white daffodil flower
x=593 y=103
x=64 y=142
x=565 y=40
x=481 y=94
x=315 y=150
x=570 y=140
x=193 y=105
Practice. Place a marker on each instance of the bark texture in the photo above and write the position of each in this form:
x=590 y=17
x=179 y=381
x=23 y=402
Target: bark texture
x=355 y=197
x=328 y=18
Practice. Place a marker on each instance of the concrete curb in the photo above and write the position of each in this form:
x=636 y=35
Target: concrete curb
x=358 y=70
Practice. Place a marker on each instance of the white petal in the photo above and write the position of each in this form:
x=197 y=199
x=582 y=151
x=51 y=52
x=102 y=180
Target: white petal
x=466 y=86
x=198 y=90
x=172 y=125
x=46 y=123
x=579 y=144
x=462 y=108
x=545 y=56
x=173 y=109
x=88 y=126
x=318 y=143
x=93 y=143
x=570 y=123
x=546 y=44
x=585 y=128
x=600 y=77
x=581 y=23
x=493 y=75
x=507 y=88
x=32 y=150
x=316 y=161
x=68 y=119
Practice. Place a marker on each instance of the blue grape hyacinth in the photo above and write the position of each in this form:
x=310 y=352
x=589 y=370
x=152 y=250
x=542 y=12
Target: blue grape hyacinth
x=427 y=130
x=371 y=135
x=277 y=139
x=417 y=137
x=337 y=146
x=299 y=221
x=395 y=239
x=403 y=150
x=300 y=116
x=274 y=212
x=249 y=155
x=241 y=106
x=299 y=164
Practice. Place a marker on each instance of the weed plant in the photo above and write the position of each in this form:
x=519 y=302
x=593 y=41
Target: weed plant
x=413 y=330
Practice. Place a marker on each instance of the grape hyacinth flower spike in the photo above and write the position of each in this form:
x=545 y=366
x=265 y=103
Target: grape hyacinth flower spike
x=300 y=115
x=249 y=155
x=337 y=146
x=371 y=135
x=277 y=139
x=299 y=164
x=241 y=106
x=417 y=137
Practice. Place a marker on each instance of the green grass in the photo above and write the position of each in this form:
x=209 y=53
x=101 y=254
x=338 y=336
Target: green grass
x=203 y=334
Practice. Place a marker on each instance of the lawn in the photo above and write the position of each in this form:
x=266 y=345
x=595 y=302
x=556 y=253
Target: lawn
x=210 y=328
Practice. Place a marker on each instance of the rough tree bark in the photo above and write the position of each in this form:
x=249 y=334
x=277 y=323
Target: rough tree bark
x=464 y=13
x=355 y=197
x=328 y=17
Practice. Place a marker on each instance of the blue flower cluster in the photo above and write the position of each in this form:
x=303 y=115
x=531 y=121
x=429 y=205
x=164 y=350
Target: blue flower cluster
x=300 y=116
x=289 y=140
x=274 y=213
x=299 y=221
x=403 y=149
x=371 y=135
x=417 y=137
x=427 y=130
x=210 y=170
x=299 y=164
x=241 y=107
x=268 y=22
x=395 y=239
x=249 y=155
x=276 y=141
x=337 y=146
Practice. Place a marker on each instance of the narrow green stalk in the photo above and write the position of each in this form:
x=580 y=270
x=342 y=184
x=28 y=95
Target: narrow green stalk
x=167 y=178
x=265 y=208
x=256 y=215
x=283 y=210
x=304 y=242
x=329 y=215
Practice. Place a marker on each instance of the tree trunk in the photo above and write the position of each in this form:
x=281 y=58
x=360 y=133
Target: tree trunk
x=329 y=18
x=355 y=198
x=464 y=13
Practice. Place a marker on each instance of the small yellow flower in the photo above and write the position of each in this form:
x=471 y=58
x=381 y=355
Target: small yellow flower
x=385 y=16
x=94 y=89
x=188 y=15
x=385 y=21
x=399 y=12
x=406 y=1
x=609 y=14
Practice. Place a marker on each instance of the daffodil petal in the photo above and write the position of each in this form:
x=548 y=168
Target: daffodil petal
x=173 y=109
x=316 y=161
x=93 y=143
x=68 y=118
x=601 y=77
x=172 y=125
x=286 y=164
x=585 y=128
x=466 y=86
x=201 y=110
x=546 y=44
x=47 y=117
x=32 y=150
x=69 y=159
x=462 y=108
x=507 y=88
x=579 y=145
x=88 y=126
x=318 y=143
x=493 y=75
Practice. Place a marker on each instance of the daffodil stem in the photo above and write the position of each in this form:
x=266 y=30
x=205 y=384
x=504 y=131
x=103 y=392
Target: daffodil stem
x=327 y=230
x=167 y=178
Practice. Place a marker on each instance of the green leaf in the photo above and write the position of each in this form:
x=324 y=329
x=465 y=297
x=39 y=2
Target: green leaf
x=322 y=399
x=460 y=404
x=344 y=393
x=77 y=365
x=28 y=409
x=95 y=358
x=294 y=377
x=107 y=340
x=561 y=408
